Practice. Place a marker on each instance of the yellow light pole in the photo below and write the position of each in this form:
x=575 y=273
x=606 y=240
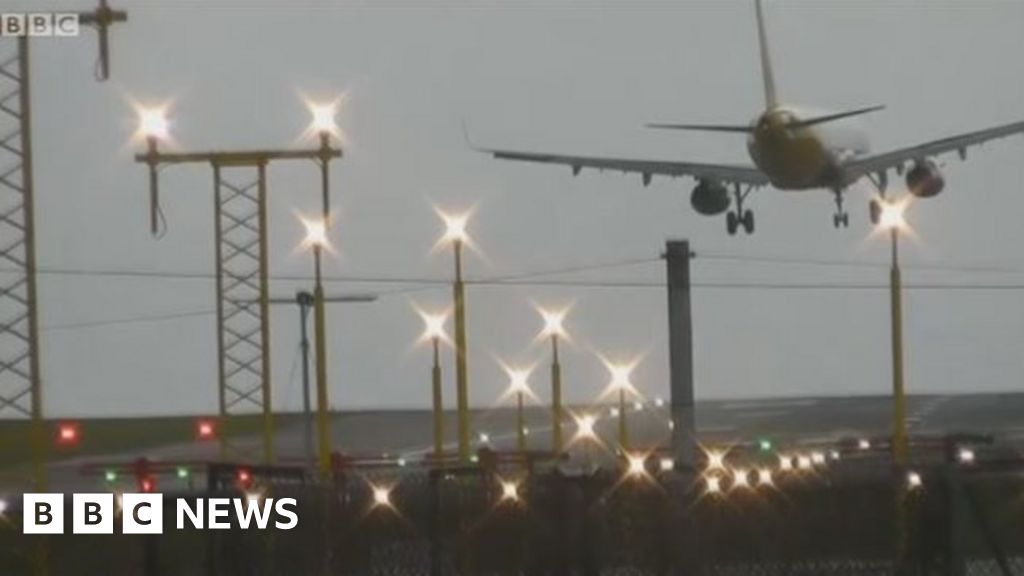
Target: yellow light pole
x=434 y=332
x=455 y=234
x=554 y=330
x=621 y=384
x=891 y=220
x=317 y=238
x=519 y=385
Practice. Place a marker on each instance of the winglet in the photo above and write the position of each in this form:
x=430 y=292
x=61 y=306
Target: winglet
x=469 y=141
x=770 y=99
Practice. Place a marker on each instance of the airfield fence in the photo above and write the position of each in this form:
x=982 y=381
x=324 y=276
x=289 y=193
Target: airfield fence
x=462 y=521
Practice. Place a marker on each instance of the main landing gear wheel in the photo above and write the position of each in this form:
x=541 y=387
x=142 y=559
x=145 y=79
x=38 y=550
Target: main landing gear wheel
x=739 y=217
x=733 y=222
x=841 y=219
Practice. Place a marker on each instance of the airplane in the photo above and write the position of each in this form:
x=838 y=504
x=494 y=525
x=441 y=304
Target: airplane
x=792 y=148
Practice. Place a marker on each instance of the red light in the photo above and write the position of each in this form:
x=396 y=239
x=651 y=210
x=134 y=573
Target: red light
x=147 y=485
x=244 y=478
x=205 y=430
x=67 y=434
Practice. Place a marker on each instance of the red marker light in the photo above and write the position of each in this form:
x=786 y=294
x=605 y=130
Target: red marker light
x=67 y=434
x=244 y=477
x=147 y=485
x=205 y=430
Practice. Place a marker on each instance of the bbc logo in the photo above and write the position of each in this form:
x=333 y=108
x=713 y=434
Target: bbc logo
x=93 y=513
x=39 y=24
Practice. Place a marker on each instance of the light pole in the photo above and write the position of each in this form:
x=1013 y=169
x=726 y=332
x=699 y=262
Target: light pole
x=554 y=330
x=621 y=384
x=891 y=220
x=434 y=331
x=455 y=234
x=519 y=386
x=585 y=434
x=316 y=238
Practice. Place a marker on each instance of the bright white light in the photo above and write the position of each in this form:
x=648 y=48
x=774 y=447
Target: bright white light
x=891 y=215
x=455 y=227
x=519 y=380
x=716 y=460
x=509 y=491
x=323 y=118
x=526 y=431
x=153 y=123
x=636 y=465
x=818 y=457
x=620 y=376
x=671 y=425
x=485 y=438
x=785 y=463
x=381 y=496
x=254 y=497
x=803 y=462
x=914 y=480
x=553 y=320
x=965 y=456
x=3 y=506
x=638 y=406
x=316 y=234
x=739 y=478
x=659 y=402
x=667 y=464
x=834 y=455
x=434 y=326
x=764 y=477
x=614 y=412
x=585 y=427
x=864 y=444
x=714 y=484
x=401 y=462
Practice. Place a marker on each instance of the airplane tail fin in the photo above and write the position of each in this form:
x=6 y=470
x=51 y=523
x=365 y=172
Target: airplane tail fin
x=770 y=98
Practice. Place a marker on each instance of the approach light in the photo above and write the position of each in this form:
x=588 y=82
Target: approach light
x=965 y=456
x=818 y=457
x=764 y=477
x=205 y=430
x=585 y=427
x=153 y=123
x=455 y=227
x=636 y=465
x=740 y=478
x=716 y=460
x=485 y=438
x=243 y=476
x=714 y=484
x=381 y=496
x=434 y=326
x=638 y=406
x=785 y=463
x=804 y=462
x=323 y=115
x=3 y=507
x=316 y=234
x=519 y=380
x=864 y=444
x=509 y=491
x=890 y=215
x=914 y=480
x=110 y=476
x=620 y=376
x=667 y=464
x=553 y=320
x=182 y=472
x=764 y=445
x=659 y=402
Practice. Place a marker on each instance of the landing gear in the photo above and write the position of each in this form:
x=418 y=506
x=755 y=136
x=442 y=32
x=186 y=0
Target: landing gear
x=841 y=219
x=739 y=217
x=875 y=211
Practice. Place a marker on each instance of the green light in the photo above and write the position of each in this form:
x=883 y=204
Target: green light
x=110 y=476
x=182 y=472
x=765 y=445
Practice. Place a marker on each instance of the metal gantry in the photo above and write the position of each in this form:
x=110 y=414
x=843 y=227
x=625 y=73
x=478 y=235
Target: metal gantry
x=242 y=285
x=20 y=381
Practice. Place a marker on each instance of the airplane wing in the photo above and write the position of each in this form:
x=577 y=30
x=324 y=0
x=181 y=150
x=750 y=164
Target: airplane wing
x=724 y=173
x=897 y=158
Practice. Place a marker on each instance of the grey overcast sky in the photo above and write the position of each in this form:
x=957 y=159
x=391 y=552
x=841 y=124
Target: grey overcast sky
x=581 y=77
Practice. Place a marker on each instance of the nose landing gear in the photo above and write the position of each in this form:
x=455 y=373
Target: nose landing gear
x=739 y=217
x=841 y=219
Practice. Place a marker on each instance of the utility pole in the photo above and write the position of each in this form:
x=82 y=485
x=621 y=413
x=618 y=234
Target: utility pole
x=680 y=342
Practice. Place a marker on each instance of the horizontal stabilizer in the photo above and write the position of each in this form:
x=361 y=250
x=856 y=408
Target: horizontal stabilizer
x=703 y=127
x=834 y=117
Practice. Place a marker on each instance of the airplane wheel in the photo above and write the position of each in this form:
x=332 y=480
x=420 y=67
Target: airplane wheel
x=748 y=222
x=731 y=222
x=875 y=211
x=846 y=219
x=835 y=220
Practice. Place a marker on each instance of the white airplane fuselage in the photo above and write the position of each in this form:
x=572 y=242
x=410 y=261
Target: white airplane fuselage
x=805 y=157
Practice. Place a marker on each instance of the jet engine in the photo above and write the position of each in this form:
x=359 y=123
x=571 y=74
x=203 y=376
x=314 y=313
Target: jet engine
x=925 y=180
x=709 y=198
